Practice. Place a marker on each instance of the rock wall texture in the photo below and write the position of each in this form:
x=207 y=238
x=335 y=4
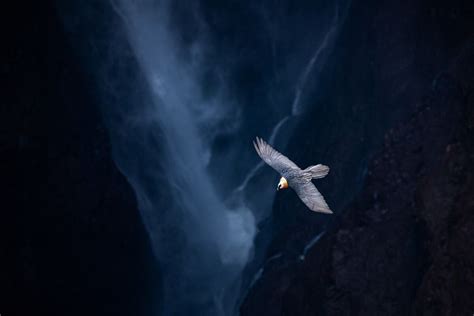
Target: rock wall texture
x=402 y=244
x=72 y=240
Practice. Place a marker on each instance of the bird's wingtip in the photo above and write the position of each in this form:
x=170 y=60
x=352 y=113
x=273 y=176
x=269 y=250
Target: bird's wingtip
x=324 y=210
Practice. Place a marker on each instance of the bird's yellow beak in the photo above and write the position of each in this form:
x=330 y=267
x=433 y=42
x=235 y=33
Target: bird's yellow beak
x=283 y=184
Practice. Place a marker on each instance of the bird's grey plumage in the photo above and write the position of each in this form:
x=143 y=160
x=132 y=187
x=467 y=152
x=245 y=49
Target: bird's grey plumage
x=299 y=180
x=273 y=158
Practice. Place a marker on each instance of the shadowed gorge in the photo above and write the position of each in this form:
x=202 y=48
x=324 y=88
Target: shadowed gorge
x=136 y=189
x=163 y=122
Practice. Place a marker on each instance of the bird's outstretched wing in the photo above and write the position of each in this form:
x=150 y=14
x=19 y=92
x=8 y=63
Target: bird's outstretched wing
x=273 y=158
x=311 y=197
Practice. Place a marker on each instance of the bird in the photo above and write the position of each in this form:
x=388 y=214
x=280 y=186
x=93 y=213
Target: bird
x=292 y=176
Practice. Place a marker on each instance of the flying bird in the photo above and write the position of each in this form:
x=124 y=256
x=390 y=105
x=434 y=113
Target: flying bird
x=292 y=176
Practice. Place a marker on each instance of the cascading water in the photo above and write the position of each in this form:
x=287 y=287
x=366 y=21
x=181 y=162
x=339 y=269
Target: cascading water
x=219 y=239
x=296 y=107
x=162 y=128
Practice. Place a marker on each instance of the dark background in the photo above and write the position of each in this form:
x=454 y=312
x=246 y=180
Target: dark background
x=73 y=242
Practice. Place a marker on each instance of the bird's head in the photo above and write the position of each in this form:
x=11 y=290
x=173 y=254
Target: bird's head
x=283 y=184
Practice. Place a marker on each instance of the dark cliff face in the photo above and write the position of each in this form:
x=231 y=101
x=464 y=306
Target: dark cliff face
x=400 y=244
x=74 y=243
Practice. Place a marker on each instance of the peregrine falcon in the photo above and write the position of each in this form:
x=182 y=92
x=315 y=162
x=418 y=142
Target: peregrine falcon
x=292 y=176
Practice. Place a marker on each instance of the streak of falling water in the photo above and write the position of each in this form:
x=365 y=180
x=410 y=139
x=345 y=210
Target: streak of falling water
x=297 y=109
x=296 y=106
x=218 y=240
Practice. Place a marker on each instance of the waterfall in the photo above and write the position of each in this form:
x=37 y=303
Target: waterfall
x=217 y=240
x=296 y=104
x=296 y=107
x=162 y=128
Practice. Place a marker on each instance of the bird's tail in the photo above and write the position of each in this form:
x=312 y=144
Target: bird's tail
x=316 y=172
